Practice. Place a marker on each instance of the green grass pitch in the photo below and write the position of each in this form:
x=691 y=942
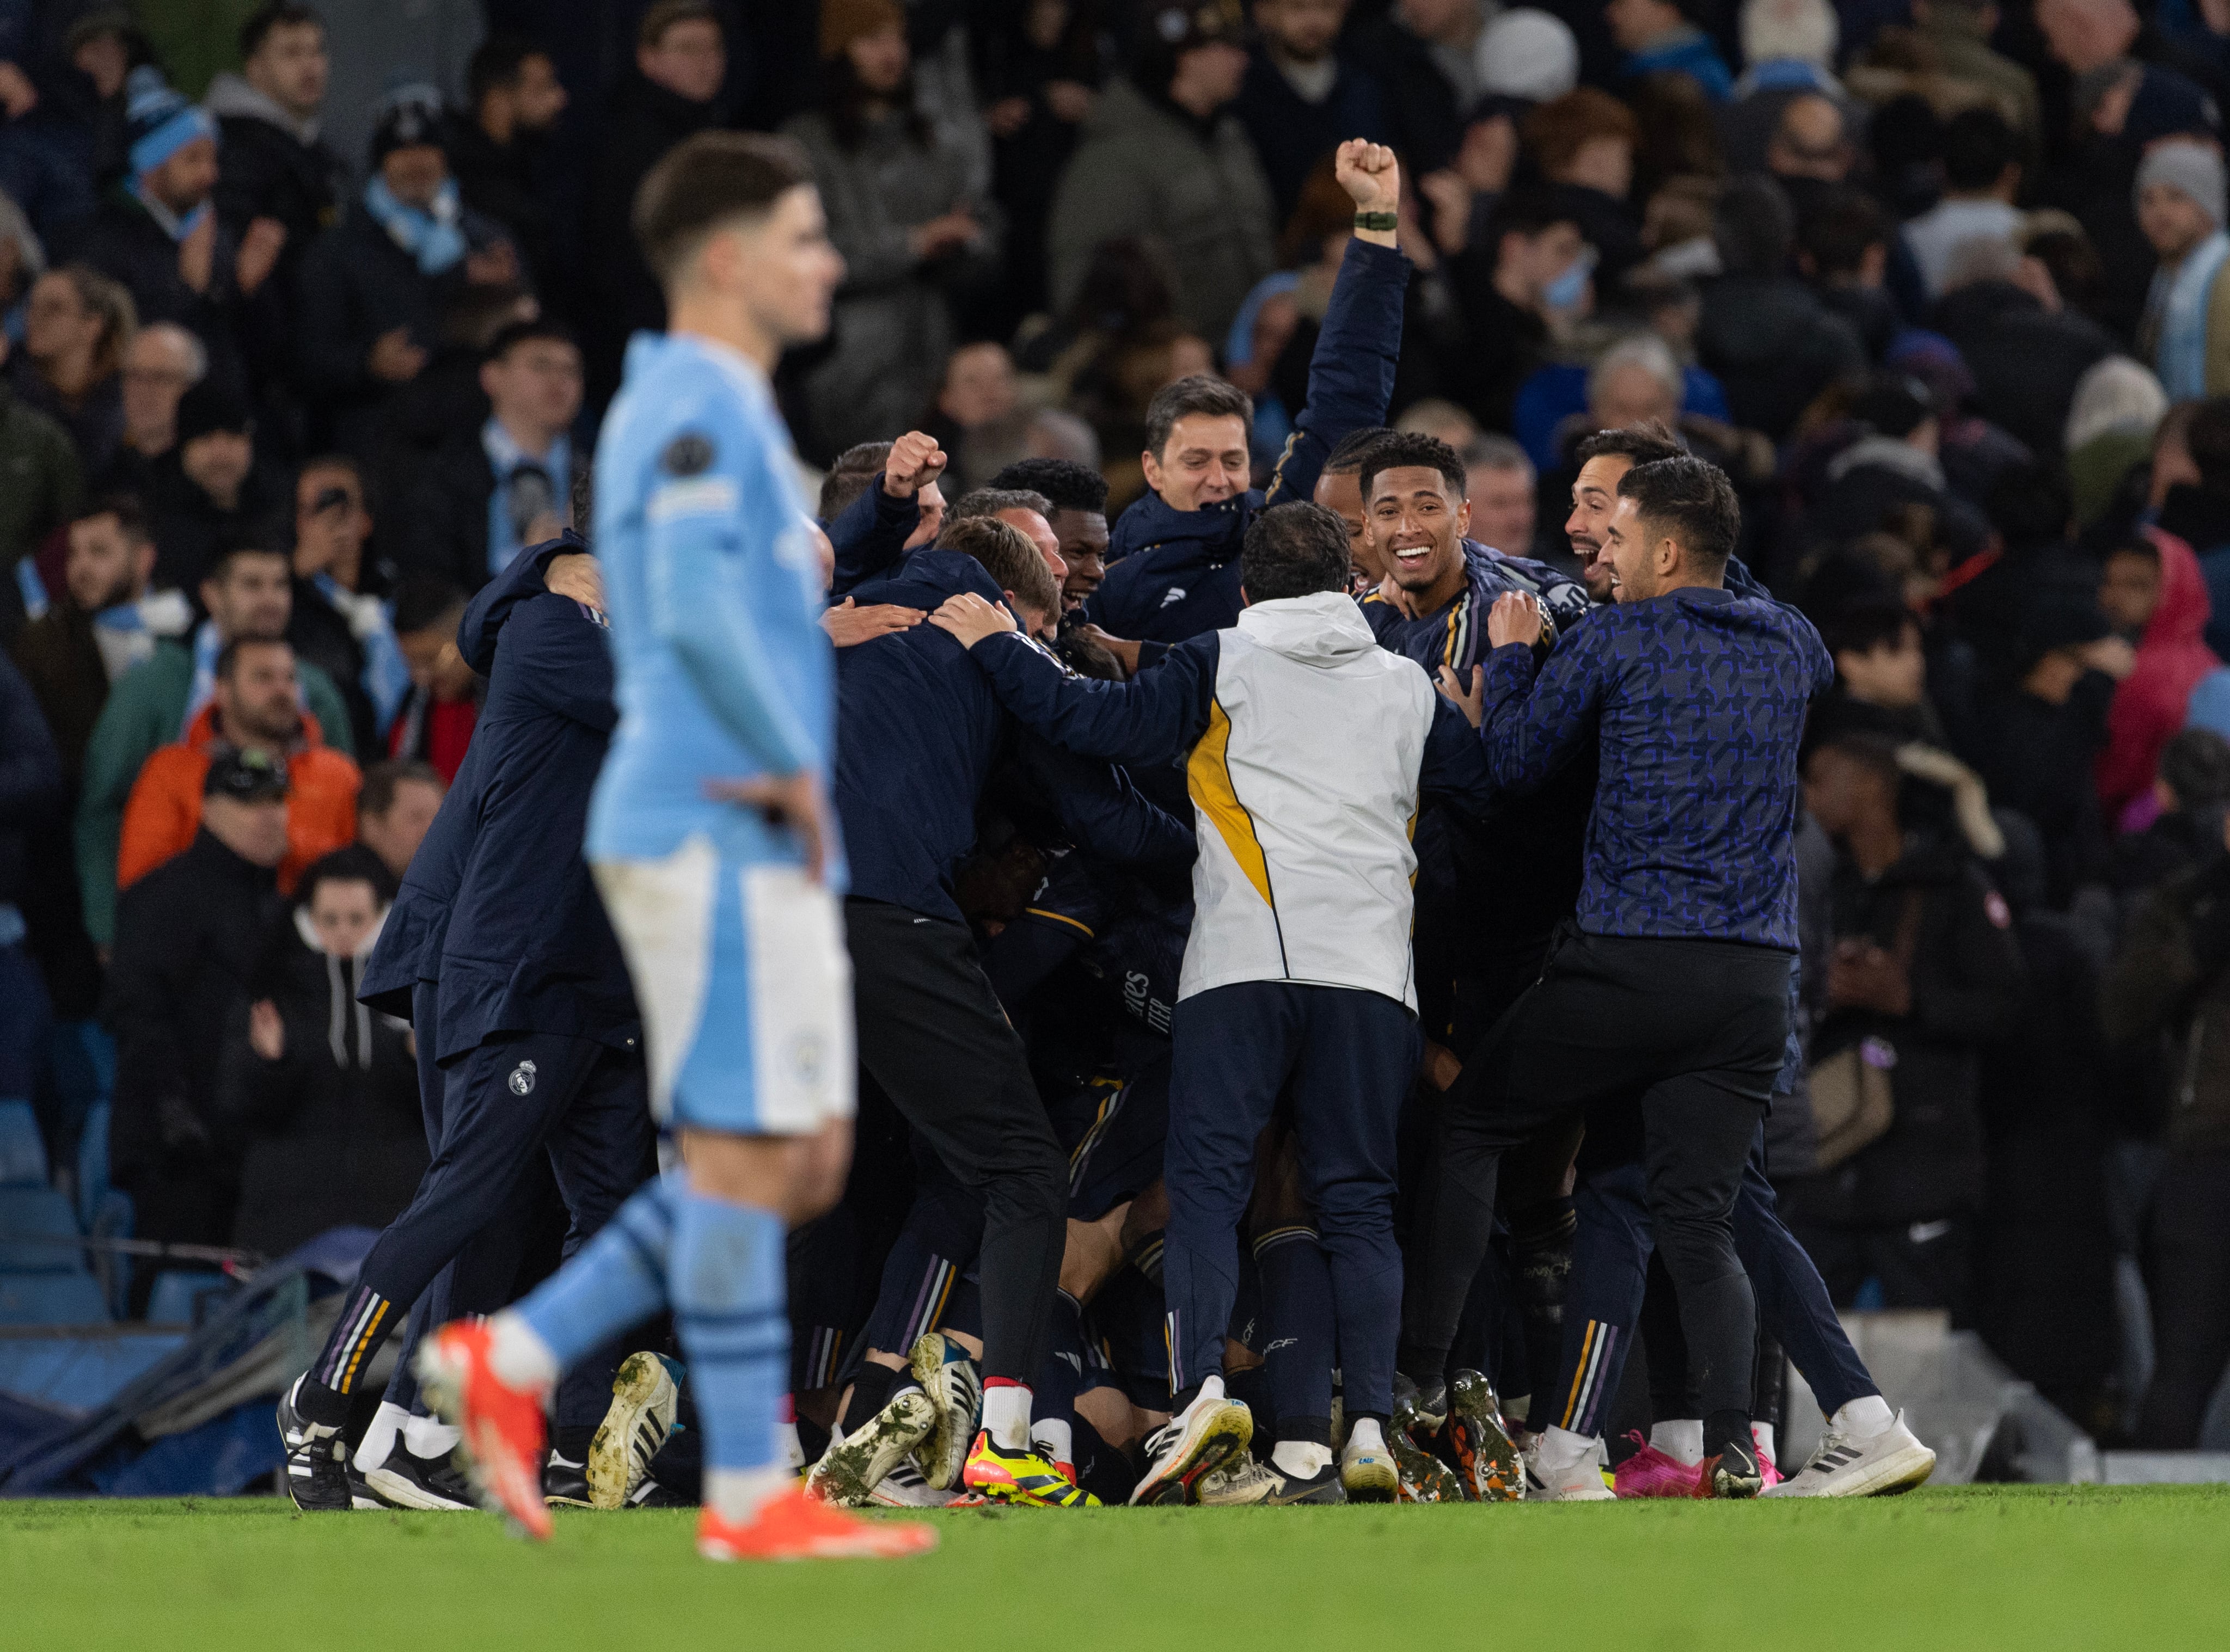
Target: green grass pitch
x=2029 y=1567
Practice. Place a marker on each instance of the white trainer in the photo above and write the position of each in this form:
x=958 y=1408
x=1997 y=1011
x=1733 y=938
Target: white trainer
x=1892 y=1460
x=1578 y=1480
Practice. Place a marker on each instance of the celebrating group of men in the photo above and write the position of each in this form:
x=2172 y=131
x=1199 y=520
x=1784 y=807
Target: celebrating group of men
x=1281 y=866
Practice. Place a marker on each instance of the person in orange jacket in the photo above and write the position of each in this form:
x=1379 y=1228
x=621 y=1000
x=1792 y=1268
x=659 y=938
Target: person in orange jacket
x=256 y=708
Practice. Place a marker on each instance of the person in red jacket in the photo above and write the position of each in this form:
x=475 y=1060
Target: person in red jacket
x=256 y=708
x=2153 y=591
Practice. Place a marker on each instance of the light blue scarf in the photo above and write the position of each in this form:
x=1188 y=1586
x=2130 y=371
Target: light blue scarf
x=433 y=238
x=507 y=530
x=2181 y=301
x=386 y=675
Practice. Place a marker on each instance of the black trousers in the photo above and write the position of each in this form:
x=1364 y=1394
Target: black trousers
x=1694 y=1028
x=2191 y=1298
x=932 y=1034
x=507 y=1104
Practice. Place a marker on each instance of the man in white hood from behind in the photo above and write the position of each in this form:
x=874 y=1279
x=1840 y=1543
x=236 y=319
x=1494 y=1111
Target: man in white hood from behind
x=1308 y=751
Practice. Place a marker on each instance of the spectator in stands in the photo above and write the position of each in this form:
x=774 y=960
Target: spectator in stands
x=1039 y=71
x=1425 y=53
x=102 y=623
x=1162 y=156
x=672 y=89
x=1843 y=250
x=77 y=324
x=1892 y=467
x=256 y=707
x=2027 y=353
x=1958 y=33
x=1522 y=285
x=2180 y=199
x=1810 y=154
x=1499 y=481
x=1304 y=96
x=375 y=287
x=2153 y=595
x=161 y=364
x=1661 y=38
x=1763 y=334
x=508 y=480
x=1584 y=142
x=247 y=594
x=157 y=231
x=1983 y=179
x=323 y=1091
x=277 y=177
x=1881 y=673
x=2166 y=989
x=899 y=202
x=2046 y=731
x=214 y=489
x=395 y=806
x=2193 y=795
x=188 y=938
x=435 y=724
x=44 y=485
x=340 y=622
x=1925 y=963
x=977 y=414
x=31 y=793
x=499 y=149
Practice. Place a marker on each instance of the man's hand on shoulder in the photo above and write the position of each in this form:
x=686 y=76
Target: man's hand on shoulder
x=848 y=625
x=971 y=619
x=575 y=574
x=1472 y=700
x=916 y=460
x=1125 y=651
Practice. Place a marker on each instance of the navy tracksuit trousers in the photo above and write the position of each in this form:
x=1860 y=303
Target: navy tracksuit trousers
x=1610 y=1264
x=1343 y=1059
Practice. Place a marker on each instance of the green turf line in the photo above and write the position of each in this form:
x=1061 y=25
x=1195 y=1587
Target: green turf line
x=2033 y=1568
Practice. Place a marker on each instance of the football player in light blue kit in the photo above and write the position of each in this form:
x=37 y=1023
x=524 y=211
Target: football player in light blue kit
x=712 y=842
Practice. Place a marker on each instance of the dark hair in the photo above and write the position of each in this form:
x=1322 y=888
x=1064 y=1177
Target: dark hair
x=1978 y=146
x=381 y=781
x=1195 y=393
x=1413 y=449
x=423 y=601
x=1837 y=236
x=1645 y=444
x=496 y=63
x=131 y=515
x=1350 y=453
x=1528 y=213
x=2195 y=764
x=1875 y=753
x=1868 y=624
x=351 y=864
x=1692 y=498
x=1008 y=557
x=1067 y=485
x=1294 y=549
x=511 y=335
x=845 y=100
x=2206 y=438
x=651 y=32
x=990 y=501
x=849 y=477
x=707 y=180
x=274 y=14
x=220 y=568
x=1753 y=228
x=228 y=658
